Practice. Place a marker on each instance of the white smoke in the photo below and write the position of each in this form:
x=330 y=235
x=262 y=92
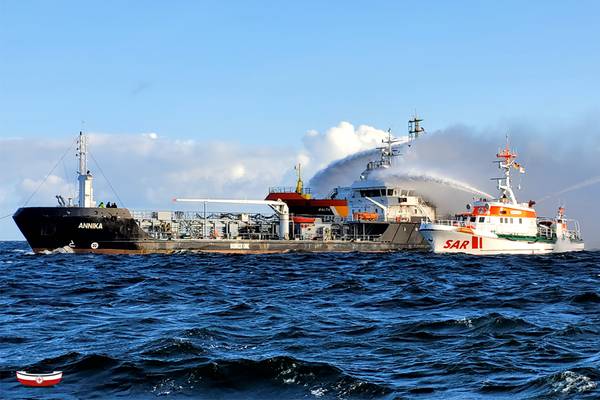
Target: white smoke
x=581 y=185
x=338 y=142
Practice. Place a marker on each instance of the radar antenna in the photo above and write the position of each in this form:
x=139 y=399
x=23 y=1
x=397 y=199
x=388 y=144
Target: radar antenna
x=506 y=161
x=414 y=128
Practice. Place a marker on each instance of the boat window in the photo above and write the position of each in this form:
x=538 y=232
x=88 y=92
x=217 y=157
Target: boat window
x=501 y=220
x=511 y=220
x=473 y=219
x=520 y=220
x=401 y=199
x=390 y=192
x=371 y=192
x=481 y=219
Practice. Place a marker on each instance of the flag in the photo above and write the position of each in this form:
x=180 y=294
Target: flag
x=519 y=167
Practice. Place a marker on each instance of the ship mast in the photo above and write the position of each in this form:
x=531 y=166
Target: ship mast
x=388 y=151
x=507 y=161
x=86 y=191
x=414 y=128
x=299 y=183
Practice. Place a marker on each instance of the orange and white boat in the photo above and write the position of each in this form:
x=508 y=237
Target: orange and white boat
x=50 y=379
x=503 y=225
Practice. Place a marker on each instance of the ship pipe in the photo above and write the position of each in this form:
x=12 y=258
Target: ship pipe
x=281 y=209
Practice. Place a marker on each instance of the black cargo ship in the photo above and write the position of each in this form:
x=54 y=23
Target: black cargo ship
x=85 y=227
x=116 y=231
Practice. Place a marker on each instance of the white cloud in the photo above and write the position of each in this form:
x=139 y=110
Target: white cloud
x=337 y=142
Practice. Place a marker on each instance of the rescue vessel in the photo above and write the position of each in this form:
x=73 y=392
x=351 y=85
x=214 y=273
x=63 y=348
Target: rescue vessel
x=368 y=216
x=503 y=225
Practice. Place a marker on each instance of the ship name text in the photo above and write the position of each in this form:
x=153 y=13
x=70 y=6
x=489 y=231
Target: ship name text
x=90 y=225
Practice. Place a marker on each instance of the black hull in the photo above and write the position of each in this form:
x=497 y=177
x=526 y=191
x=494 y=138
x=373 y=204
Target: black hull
x=114 y=231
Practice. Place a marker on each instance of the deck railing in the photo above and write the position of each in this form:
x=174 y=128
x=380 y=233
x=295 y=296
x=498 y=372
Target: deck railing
x=452 y=222
x=288 y=189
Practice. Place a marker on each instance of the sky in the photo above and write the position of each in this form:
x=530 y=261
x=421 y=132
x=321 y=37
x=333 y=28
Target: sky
x=224 y=97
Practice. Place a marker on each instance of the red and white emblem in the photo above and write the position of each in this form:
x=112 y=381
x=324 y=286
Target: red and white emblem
x=28 y=379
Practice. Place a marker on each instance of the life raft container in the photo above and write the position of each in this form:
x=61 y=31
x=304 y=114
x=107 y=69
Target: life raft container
x=365 y=216
x=303 y=220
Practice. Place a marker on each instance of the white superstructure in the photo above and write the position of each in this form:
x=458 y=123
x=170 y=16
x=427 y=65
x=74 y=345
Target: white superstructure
x=371 y=198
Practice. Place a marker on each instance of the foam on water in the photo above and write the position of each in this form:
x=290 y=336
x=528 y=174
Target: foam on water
x=571 y=382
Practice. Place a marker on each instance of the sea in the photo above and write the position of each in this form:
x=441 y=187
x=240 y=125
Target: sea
x=300 y=326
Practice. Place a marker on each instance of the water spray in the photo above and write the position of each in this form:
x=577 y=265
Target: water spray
x=434 y=178
x=577 y=186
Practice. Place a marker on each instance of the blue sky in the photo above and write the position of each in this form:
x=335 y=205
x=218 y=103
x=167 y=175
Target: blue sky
x=267 y=71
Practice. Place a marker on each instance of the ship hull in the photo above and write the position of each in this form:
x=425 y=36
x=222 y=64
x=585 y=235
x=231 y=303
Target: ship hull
x=447 y=239
x=114 y=231
x=313 y=207
x=78 y=229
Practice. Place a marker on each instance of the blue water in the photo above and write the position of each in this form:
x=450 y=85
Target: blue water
x=321 y=326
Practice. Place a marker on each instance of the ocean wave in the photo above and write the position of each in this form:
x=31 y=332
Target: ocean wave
x=564 y=383
x=274 y=374
x=301 y=325
x=586 y=297
x=493 y=323
x=172 y=348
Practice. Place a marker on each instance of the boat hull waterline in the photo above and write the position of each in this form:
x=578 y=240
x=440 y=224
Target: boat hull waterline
x=115 y=231
x=444 y=239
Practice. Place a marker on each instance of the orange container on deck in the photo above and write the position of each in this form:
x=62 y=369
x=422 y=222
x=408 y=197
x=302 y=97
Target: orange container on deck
x=303 y=220
x=366 y=216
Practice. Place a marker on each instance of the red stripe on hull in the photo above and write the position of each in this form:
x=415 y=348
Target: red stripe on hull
x=50 y=382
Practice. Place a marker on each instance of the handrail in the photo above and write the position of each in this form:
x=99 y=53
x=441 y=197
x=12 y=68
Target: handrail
x=288 y=189
x=452 y=222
